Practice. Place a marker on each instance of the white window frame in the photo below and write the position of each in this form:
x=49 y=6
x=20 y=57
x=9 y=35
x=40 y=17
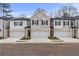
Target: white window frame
x=57 y=23
x=35 y=22
x=18 y=23
x=65 y=23
x=44 y=22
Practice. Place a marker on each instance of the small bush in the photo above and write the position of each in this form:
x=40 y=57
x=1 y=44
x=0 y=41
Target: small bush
x=25 y=38
x=1 y=38
x=50 y=37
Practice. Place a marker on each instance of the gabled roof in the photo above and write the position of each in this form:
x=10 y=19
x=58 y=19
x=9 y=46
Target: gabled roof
x=39 y=10
x=65 y=18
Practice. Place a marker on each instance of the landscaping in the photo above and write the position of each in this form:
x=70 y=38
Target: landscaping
x=23 y=38
x=54 y=39
x=51 y=38
x=1 y=38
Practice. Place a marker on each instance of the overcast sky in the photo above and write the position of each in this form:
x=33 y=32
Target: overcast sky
x=29 y=8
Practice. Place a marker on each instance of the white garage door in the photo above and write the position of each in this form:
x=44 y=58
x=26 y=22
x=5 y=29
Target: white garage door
x=39 y=35
x=63 y=34
x=16 y=34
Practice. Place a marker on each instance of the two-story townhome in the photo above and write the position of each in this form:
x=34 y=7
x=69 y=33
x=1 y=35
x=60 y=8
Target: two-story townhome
x=18 y=27
x=65 y=27
x=4 y=27
x=40 y=25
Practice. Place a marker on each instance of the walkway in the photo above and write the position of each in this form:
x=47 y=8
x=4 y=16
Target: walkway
x=39 y=40
x=9 y=40
x=70 y=40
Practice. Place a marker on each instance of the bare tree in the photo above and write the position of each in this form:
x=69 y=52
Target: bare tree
x=67 y=11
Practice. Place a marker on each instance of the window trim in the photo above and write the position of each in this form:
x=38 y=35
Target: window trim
x=57 y=23
x=18 y=23
x=65 y=23
x=44 y=22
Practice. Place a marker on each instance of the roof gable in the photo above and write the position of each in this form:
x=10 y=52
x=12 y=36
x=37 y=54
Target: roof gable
x=39 y=13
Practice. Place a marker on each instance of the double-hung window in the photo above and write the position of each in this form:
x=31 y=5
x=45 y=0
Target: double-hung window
x=18 y=23
x=66 y=23
x=35 y=22
x=15 y=24
x=57 y=23
x=44 y=22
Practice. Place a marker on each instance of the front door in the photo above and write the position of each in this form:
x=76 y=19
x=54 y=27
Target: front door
x=8 y=33
x=51 y=33
x=28 y=33
x=75 y=32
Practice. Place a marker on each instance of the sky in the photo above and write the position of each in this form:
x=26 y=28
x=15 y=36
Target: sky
x=29 y=8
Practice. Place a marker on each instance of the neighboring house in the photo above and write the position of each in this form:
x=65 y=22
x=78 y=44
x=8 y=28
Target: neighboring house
x=4 y=27
x=40 y=26
x=18 y=27
x=65 y=27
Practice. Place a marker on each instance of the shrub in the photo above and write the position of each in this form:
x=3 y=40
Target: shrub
x=1 y=38
x=51 y=37
x=23 y=38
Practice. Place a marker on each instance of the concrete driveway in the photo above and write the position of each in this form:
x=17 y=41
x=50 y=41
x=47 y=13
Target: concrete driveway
x=39 y=40
x=9 y=40
x=70 y=40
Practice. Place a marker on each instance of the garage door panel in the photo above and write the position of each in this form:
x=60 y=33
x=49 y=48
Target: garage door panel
x=39 y=34
x=16 y=34
x=63 y=34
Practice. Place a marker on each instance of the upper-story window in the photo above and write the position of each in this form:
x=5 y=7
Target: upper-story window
x=28 y=23
x=44 y=22
x=15 y=24
x=35 y=22
x=18 y=23
x=58 y=23
x=66 y=23
x=32 y=22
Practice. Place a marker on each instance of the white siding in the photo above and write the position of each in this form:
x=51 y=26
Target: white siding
x=17 y=27
x=40 y=31
x=62 y=24
x=17 y=31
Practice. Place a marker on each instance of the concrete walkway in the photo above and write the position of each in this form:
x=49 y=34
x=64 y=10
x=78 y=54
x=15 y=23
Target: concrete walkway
x=9 y=40
x=39 y=40
x=70 y=40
